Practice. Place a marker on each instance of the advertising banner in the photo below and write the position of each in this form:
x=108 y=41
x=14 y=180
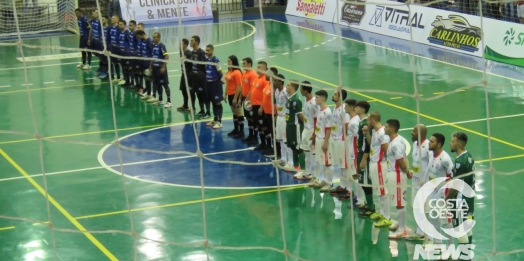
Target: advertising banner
x=322 y=10
x=154 y=11
x=504 y=42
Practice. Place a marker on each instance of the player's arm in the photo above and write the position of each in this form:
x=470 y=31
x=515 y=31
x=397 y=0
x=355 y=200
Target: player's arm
x=219 y=69
x=452 y=193
x=238 y=90
x=367 y=132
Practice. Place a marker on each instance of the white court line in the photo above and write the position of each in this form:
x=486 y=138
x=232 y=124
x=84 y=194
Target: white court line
x=307 y=48
x=296 y=51
x=23 y=84
x=468 y=121
x=69 y=80
x=271 y=56
x=49 y=82
x=5 y=86
x=285 y=53
x=36 y=66
x=90 y=78
x=125 y=164
x=316 y=45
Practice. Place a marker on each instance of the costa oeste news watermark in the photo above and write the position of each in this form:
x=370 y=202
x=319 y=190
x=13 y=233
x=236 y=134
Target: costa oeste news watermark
x=438 y=208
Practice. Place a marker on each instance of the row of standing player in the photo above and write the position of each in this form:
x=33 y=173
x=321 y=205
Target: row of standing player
x=374 y=154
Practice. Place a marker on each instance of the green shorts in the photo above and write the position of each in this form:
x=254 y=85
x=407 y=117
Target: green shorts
x=363 y=176
x=292 y=137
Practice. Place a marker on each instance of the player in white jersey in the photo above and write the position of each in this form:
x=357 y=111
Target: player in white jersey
x=322 y=149
x=352 y=151
x=398 y=173
x=378 y=141
x=440 y=166
x=419 y=163
x=281 y=97
x=309 y=112
x=338 y=141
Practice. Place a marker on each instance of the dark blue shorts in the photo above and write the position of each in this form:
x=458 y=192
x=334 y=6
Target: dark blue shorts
x=159 y=78
x=215 y=92
x=83 y=43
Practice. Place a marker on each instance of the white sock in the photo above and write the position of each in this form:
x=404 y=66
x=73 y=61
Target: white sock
x=329 y=174
x=283 y=151
x=435 y=222
x=401 y=219
x=360 y=191
x=317 y=172
x=344 y=179
x=309 y=162
x=290 y=156
x=446 y=225
x=384 y=201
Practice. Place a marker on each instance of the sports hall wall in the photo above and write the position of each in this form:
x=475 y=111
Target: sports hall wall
x=499 y=40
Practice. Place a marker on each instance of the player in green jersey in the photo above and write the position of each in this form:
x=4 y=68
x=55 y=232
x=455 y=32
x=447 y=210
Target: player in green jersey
x=294 y=124
x=464 y=164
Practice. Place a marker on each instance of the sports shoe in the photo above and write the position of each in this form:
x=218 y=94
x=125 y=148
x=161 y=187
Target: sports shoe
x=121 y=82
x=289 y=168
x=313 y=183
x=394 y=225
x=366 y=213
x=232 y=133
x=167 y=105
x=345 y=196
x=152 y=99
x=146 y=97
x=326 y=188
x=238 y=135
x=200 y=114
x=416 y=237
x=80 y=65
x=302 y=176
x=337 y=190
x=117 y=80
x=383 y=223
x=206 y=116
x=428 y=241
x=217 y=125
x=376 y=216
x=86 y=67
x=360 y=205
x=181 y=108
x=103 y=76
x=397 y=234
x=211 y=123
x=321 y=184
x=157 y=103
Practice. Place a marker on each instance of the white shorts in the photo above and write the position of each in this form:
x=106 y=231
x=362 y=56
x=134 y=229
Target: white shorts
x=378 y=174
x=307 y=143
x=398 y=189
x=520 y=11
x=323 y=158
x=415 y=186
x=338 y=151
x=280 y=130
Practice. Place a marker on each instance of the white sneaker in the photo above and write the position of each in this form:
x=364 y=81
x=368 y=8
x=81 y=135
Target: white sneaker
x=116 y=79
x=211 y=123
x=289 y=167
x=120 y=82
x=393 y=226
x=152 y=99
x=157 y=103
x=145 y=97
x=167 y=105
x=397 y=234
x=86 y=67
x=80 y=65
x=326 y=188
x=217 y=125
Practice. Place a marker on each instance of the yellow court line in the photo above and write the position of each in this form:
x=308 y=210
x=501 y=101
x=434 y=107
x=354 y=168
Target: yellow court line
x=7 y=228
x=189 y=202
x=501 y=158
x=59 y=207
x=408 y=110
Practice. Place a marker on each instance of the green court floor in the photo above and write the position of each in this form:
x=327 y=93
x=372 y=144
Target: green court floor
x=72 y=110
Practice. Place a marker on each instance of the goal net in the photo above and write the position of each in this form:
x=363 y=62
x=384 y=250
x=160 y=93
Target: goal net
x=38 y=16
x=174 y=171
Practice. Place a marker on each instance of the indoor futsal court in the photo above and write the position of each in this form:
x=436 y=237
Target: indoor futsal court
x=240 y=216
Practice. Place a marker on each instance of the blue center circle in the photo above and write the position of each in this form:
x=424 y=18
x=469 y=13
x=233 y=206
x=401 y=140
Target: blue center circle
x=184 y=170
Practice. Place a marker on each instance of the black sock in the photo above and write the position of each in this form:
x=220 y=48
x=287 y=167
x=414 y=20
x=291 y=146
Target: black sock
x=240 y=124
x=262 y=138
x=251 y=131
x=268 y=141
x=84 y=54
x=219 y=111
x=235 y=123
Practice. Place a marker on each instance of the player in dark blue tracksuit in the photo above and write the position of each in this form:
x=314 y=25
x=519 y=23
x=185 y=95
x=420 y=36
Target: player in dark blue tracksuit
x=85 y=31
x=114 y=34
x=159 y=70
x=105 y=41
x=214 y=89
x=95 y=38
x=147 y=52
x=124 y=45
